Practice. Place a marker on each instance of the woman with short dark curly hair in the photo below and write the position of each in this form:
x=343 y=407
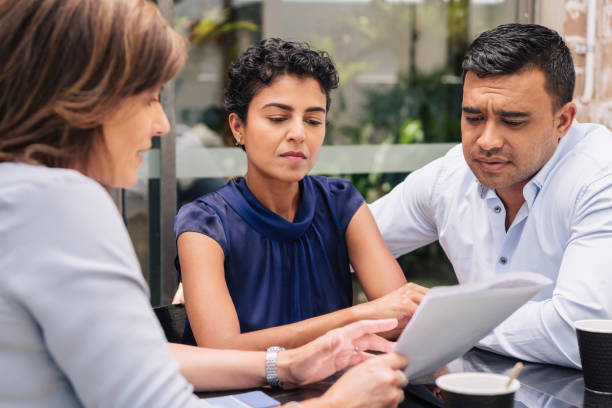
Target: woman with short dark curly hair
x=265 y=259
x=259 y=66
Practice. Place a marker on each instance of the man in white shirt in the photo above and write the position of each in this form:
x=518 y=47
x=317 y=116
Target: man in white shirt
x=528 y=189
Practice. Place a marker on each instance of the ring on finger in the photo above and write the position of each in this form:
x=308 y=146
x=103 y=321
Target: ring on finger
x=403 y=378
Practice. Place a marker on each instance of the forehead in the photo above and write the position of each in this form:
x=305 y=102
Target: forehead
x=524 y=90
x=291 y=89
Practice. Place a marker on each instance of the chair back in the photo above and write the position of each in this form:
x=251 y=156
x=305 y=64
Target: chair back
x=172 y=319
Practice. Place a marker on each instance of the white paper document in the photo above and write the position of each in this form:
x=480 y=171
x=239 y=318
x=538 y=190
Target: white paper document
x=452 y=319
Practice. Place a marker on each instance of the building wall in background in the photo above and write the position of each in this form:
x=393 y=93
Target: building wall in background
x=597 y=108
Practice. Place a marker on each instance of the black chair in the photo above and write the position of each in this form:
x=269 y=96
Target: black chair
x=172 y=319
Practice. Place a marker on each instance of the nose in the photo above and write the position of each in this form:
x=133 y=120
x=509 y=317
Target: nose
x=490 y=138
x=161 y=125
x=296 y=131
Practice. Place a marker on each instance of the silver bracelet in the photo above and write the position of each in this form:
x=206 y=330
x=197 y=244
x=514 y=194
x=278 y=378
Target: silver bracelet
x=271 y=374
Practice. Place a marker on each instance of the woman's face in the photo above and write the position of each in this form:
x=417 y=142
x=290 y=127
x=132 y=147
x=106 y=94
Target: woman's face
x=285 y=128
x=127 y=134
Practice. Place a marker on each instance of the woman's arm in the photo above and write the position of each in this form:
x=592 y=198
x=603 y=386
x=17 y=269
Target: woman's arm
x=375 y=266
x=212 y=315
x=379 y=273
x=375 y=383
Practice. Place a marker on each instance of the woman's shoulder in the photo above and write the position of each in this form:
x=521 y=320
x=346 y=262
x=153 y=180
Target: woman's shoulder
x=22 y=178
x=62 y=212
x=211 y=204
x=332 y=185
x=341 y=197
x=206 y=215
x=32 y=188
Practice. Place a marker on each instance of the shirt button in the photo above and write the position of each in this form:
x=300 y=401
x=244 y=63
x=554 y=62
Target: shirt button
x=503 y=260
x=497 y=209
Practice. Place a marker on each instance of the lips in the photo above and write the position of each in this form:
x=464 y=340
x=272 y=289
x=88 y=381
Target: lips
x=294 y=157
x=294 y=154
x=492 y=164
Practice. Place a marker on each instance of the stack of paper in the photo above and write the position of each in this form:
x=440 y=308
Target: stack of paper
x=452 y=319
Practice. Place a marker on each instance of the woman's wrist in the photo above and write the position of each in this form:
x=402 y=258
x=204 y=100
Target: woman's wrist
x=364 y=311
x=284 y=362
x=320 y=402
x=327 y=400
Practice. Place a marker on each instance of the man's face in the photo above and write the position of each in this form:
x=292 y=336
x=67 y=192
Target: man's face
x=508 y=129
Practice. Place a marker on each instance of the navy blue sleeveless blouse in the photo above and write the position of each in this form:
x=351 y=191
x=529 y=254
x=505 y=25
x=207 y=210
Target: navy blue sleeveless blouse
x=279 y=272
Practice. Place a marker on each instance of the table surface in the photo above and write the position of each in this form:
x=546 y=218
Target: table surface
x=542 y=385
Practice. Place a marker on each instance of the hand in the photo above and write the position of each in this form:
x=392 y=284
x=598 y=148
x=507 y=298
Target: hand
x=179 y=298
x=375 y=383
x=333 y=351
x=400 y=304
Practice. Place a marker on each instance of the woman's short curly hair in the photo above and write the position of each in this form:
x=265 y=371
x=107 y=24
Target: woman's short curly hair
x=262 y=63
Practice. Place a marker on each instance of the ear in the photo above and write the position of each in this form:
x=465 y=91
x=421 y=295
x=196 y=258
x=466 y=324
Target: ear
x=237 y=127
x=563 y=119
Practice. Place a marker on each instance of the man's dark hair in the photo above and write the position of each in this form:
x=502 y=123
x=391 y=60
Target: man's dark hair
x=262 y=63
x=510 y=48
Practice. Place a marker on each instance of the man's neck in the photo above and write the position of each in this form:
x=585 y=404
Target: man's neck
x=513 y=199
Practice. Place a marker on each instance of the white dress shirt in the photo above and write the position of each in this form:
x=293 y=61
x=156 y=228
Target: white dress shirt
x=562 y=231
x=76 y=325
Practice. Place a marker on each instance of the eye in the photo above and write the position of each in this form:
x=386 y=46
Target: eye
x=314 y=122
x=513 y=123
x=277 y=119
x=473 y=119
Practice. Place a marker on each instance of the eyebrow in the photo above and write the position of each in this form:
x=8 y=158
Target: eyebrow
x=290 y=108
x=504 y=113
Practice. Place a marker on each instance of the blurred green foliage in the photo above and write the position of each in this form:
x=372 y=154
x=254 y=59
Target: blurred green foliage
x=425 y=108
x=418 y=108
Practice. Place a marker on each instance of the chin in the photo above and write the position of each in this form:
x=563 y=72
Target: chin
x=497 y=184
x=125 y=182
x=291 y=177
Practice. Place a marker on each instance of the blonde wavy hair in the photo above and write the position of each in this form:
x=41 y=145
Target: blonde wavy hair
x=68 y=64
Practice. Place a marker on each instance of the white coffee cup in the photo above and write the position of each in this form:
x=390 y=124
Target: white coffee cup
x=477 y=390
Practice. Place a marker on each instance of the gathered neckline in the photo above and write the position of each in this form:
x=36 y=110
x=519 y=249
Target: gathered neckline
x=237 y=194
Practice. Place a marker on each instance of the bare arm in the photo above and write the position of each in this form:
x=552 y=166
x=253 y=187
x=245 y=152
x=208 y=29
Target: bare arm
x=212 y=314
x=375 y=266
x=208 y=369
x=372 y=384
x=213 y=317
x=379 y=273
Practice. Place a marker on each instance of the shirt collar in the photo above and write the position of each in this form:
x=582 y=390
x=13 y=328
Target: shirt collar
x=533 y=187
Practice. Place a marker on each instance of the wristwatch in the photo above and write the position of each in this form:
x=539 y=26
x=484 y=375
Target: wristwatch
x=271 y=375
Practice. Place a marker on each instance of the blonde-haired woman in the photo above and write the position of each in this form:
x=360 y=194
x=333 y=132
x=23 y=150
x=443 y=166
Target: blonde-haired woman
x=79 y=86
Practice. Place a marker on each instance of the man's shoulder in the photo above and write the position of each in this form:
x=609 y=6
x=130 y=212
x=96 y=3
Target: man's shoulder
x=454 y=158
x=595 y=141
x=583 y=165
x=442 y=181
x=590 y=155
x=450 y=170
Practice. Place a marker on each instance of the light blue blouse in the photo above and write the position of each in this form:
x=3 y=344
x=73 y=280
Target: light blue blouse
x=76 y=326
